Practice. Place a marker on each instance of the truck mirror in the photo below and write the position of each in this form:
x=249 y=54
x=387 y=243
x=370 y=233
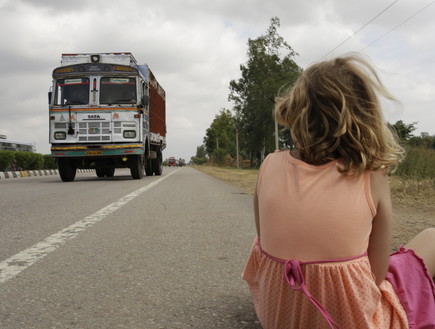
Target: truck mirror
x=49 y=97
x=145 y=100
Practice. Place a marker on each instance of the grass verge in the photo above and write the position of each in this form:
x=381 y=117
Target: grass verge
x=404 y=192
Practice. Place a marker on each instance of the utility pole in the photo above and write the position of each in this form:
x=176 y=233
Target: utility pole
x=237 y=148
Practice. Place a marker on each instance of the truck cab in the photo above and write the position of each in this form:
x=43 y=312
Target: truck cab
x=106 y=112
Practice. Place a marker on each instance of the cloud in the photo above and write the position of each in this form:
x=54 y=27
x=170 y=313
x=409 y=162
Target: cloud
x=195 y=48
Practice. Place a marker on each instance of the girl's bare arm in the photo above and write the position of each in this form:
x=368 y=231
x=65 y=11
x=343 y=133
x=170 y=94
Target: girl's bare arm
x=380 y=237
x=257 y=219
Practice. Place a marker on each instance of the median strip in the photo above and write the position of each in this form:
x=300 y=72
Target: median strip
x=30 y=173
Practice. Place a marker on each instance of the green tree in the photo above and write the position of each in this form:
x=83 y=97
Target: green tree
x=270 y=67
x=404 y=131
x=200 y=157
x=200 y=152
x=424 y=140
x=220 y=138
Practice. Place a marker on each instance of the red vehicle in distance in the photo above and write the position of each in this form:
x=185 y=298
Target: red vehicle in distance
x=172 y=162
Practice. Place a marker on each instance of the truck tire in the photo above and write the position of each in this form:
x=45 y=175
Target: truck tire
x=105 y=172
x=136 y=167
x=158 y=166
x=110 y=172
x=100 y=172
x=67 y=171
x=149 y=167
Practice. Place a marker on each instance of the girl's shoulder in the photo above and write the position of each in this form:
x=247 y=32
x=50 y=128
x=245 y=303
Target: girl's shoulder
x=278 y=154
x=379 y=185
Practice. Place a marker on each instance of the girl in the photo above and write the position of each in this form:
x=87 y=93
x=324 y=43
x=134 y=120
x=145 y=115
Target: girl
x=323 y=214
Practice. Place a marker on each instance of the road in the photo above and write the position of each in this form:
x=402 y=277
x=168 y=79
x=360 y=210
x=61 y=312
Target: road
x=160 y=252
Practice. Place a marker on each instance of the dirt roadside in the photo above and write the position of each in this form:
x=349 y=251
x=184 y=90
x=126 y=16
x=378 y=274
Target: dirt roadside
x=413 y=202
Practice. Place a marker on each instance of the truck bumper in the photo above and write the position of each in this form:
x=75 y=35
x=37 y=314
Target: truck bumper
x=59 y=151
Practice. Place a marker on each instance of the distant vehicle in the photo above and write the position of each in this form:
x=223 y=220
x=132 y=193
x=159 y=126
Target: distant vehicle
x=181 y=162
x=10 y=145
x=106 y=112
x=172 y=162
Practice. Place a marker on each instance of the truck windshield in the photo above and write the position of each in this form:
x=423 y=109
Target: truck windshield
x=72 y=91
x=118 y=91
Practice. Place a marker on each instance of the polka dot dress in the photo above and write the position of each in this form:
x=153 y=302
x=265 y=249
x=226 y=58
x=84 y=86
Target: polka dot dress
x=346 y=290
x=309 y=214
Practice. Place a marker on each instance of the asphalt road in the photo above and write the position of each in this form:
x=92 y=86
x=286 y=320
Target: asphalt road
x=161 y=252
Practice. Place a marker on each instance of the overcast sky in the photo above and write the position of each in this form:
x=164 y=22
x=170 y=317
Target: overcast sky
x=195 y=47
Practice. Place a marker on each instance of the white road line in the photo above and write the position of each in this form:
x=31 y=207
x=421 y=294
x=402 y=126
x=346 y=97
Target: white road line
x=10 y=267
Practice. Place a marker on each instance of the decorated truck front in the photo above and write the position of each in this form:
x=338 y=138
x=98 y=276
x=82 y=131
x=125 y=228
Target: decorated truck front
x=106 y=112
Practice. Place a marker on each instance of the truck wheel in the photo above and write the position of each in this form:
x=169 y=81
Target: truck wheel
x=110 y=172
x=136 y=167
x=157 y=166
x=67 y=171
x=149 y=167
x=100 y=172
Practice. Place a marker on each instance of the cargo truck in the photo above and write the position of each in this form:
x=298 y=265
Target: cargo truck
x=106 y=112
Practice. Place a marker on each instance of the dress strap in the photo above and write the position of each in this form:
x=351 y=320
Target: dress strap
x=295 y=279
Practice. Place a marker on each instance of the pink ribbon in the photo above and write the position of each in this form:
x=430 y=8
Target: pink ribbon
x=295 y=279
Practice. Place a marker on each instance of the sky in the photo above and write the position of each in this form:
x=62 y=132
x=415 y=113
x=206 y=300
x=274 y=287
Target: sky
x=195 y=48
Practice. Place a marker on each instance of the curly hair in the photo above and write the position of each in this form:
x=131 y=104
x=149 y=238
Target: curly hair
x=334 y=112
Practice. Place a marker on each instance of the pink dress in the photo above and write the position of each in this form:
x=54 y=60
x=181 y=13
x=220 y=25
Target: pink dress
x=311 y=268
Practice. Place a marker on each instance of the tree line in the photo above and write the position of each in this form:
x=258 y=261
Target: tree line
x=248 y=130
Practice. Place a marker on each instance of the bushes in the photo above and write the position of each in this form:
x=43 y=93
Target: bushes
x=419 y=163
x=198 y=161
x=49 y=162
x=6 y=160
x=28 y=160
x=18 y=160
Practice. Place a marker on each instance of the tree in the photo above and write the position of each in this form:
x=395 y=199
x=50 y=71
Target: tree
x=220 y=138
x=404 y=131
x=200 y=157
x=270 y=66
x=200 y=152
x=424 y=140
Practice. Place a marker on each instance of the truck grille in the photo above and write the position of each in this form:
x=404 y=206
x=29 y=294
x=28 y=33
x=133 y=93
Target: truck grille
x=94 y=131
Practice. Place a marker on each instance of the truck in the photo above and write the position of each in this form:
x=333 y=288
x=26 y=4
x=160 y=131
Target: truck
x=172 y=162
x=106 y=111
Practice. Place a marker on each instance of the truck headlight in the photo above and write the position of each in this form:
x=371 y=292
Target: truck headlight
x=129 y=134
x=59 y=135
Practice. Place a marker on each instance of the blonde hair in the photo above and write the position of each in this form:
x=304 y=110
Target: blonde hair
x=334 y=112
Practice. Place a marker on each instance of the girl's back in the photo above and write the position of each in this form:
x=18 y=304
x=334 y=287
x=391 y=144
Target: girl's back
x=318 y=221
x=313 y=212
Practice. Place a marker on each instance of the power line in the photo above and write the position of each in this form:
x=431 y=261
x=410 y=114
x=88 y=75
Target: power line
x=351 y=36
x=399 y=25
